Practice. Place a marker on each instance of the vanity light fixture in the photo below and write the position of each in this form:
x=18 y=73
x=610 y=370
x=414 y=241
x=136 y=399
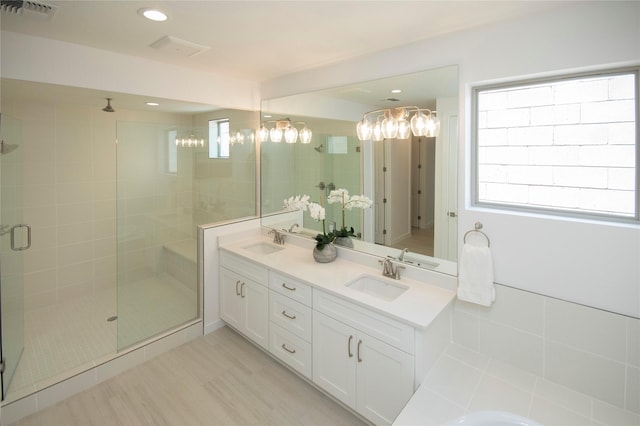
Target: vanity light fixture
x=152 y=14
x=239 y=136
x=284 y=128
x=395 y=123
x=190 y=141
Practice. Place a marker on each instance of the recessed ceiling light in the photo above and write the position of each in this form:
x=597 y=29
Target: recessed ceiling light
x=152 y=103
x=396 y=91
x=153 y=14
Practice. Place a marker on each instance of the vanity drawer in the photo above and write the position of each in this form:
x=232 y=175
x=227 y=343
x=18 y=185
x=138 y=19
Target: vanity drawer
x=244 y=267
x=291 y=349
x=290 y=315
x=290 y=287
x=376 y=325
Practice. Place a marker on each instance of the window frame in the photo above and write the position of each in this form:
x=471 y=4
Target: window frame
x=552 y=211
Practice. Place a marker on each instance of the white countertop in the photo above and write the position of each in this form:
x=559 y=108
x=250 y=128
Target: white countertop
x=417 y=306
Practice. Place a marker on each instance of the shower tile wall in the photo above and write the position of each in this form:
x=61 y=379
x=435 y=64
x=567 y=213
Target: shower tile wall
x=588 y=350
x=70 y=198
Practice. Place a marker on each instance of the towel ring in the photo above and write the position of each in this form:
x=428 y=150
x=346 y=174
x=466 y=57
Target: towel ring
x=478 y=227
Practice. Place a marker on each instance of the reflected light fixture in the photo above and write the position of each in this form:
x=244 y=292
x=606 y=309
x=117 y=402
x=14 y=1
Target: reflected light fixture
x=190 y=141
x=394 y=123
x=284 y=128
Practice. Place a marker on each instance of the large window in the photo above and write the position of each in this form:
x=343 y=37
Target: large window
x=567 y=145
x=219 y=138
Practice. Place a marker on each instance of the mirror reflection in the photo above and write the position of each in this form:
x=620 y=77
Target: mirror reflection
x=411 y=180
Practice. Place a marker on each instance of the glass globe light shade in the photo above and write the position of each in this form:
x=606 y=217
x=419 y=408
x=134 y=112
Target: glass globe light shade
x=419 y=124
x=305 y=135
x=433 y=126
x=263 y=133
x=377 y=131
x=290 y=134
x=389 y=127
x=404 y=129
x=364 y=129
x=275 y=134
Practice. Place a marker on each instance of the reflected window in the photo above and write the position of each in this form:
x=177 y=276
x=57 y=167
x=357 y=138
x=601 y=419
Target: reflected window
x=219 y=138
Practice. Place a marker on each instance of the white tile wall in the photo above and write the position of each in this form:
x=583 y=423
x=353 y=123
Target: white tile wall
x=588 y=352
x=465 y=381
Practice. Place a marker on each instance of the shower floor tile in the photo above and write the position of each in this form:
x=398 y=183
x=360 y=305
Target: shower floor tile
x=70 y=334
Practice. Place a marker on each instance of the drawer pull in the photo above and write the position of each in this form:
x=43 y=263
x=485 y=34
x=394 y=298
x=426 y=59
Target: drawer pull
x=288 y=288
x=288 y=316
x=291 y=351
x=349 y=347
x=359 y=343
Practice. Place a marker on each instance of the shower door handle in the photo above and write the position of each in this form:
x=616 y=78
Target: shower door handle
x=13 y=237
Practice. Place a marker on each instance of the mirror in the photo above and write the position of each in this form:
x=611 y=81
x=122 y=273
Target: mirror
x=412 y=182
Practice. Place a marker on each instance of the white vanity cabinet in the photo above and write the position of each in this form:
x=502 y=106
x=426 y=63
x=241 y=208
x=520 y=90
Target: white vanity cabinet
x=363 y=359
x=244 y=297
x=290 y=322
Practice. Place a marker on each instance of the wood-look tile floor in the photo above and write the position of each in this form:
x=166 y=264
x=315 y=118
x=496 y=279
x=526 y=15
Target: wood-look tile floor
x=217 y=379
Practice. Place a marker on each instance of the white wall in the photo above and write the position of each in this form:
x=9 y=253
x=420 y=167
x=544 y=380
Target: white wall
x=56 y=62
x=589 y=263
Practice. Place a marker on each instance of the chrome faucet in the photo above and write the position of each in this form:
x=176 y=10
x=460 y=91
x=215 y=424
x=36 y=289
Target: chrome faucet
x=404 y=251
x=278 y=238
x=388 y=269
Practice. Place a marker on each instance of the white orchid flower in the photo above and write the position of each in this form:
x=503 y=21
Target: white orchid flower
x=316 y=211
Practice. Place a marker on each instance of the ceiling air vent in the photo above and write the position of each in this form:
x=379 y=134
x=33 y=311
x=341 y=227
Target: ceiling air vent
x=28 y=8
x=177 y=47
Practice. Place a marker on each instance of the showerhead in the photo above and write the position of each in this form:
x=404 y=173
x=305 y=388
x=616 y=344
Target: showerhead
x=6 y=148
x=319 y=148
x=108 y=108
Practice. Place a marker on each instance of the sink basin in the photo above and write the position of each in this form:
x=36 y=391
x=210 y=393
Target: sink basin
x=262 y=247
x=382 y=288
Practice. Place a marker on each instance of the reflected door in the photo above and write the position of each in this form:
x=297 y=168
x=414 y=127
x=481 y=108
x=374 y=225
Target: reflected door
x=14 y=239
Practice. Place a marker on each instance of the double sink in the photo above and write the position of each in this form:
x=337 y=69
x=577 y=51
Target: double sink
x=379 y=287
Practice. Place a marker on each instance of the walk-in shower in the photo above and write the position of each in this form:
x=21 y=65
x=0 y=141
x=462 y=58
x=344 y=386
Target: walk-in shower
x=113 y=205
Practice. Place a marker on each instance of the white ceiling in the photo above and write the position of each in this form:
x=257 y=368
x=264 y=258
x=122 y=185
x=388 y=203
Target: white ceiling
x=261 y=40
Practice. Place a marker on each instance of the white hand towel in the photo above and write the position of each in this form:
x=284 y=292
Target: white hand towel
x=475 y=275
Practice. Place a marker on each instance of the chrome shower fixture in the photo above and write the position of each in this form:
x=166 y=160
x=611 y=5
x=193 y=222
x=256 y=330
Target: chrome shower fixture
x=319 y=148
x=108 y=108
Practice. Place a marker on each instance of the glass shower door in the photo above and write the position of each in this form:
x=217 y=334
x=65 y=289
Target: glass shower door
x=14 y=239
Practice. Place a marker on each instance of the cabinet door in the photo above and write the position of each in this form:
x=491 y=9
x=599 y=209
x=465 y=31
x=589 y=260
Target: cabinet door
x=231 y=304
x=385 y=379
x=256 y=316
x=334 y=358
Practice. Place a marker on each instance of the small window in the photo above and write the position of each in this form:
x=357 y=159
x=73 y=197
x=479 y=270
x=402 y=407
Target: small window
x=563 y=145
x=219 y=138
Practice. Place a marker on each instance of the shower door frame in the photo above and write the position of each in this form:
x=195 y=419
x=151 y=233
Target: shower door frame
x=8 y=369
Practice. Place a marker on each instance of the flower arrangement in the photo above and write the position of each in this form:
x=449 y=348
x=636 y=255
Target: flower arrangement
x=317 y=213
x=347 y=203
